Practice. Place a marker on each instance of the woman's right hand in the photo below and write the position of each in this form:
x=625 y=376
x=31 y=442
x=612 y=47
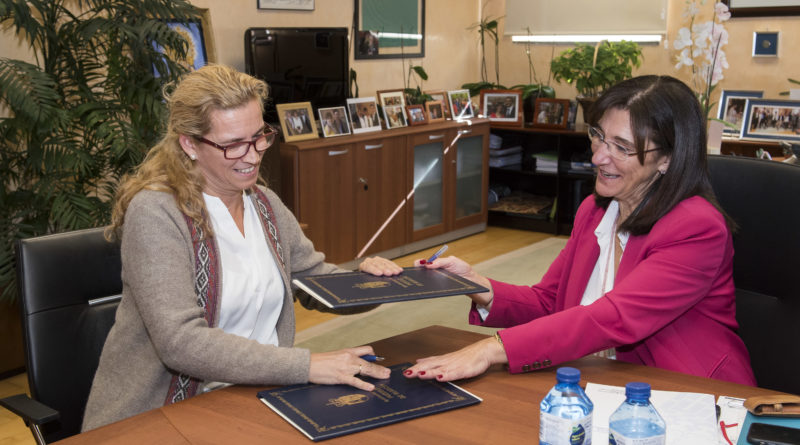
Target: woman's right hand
x=462 y=268
x=343 y=366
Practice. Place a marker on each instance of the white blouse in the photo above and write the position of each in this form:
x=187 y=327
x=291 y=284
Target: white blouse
x=252 y=288
x=602 y=279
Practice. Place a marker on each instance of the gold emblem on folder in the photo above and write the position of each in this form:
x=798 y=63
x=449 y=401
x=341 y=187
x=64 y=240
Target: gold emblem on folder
x=350 y=399
x=371 y=284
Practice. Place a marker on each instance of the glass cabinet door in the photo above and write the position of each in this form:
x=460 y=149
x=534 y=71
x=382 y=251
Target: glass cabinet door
x=428 y=185
x=469 y=176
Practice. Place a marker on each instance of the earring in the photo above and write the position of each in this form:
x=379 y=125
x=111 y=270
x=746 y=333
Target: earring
x=662 y=172
x=194 y=158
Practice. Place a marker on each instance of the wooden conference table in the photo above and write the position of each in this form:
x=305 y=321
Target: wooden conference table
x=509 y=412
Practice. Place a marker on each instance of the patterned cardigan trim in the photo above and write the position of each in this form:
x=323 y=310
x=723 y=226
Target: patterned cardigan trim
x=206 y=263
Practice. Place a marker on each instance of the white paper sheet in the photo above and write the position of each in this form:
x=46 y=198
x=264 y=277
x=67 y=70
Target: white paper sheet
x=691 y=417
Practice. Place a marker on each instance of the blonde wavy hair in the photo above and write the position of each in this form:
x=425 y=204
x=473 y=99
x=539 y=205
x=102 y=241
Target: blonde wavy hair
x=166 y=167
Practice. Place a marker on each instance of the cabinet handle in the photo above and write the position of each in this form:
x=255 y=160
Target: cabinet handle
x=373 y=147
x=434 y=137
x=336 y=152
x=464 y=131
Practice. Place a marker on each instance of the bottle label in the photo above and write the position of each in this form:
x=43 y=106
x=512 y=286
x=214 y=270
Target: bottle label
x=615 y=438
x=554 y=430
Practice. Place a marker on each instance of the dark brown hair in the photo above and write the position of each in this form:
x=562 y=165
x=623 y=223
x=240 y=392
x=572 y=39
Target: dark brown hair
x=665 y=111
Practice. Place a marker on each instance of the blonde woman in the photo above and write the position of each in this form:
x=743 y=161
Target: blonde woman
x=207 y=261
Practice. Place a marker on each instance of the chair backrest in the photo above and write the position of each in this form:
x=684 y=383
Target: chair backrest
x=61 y=277
x=763 y=197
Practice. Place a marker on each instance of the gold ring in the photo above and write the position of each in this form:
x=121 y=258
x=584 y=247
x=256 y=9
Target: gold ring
x=359 y=370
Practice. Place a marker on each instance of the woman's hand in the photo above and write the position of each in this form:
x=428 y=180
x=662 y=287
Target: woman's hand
x=331 y=368
x=379 y=266
x=462 y=268
x=467 y=362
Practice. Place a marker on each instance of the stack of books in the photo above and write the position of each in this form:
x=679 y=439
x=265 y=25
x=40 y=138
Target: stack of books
x=546 y=162
x=500 y=156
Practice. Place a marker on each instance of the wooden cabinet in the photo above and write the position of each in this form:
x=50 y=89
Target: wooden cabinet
x=418 y=185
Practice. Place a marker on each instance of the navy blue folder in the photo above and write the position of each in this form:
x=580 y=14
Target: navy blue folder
x=359 y=288
x=326 y=411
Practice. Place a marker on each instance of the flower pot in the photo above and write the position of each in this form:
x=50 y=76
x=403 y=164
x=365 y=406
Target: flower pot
x=586 y=103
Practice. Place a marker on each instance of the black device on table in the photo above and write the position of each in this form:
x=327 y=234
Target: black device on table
x=767 y=434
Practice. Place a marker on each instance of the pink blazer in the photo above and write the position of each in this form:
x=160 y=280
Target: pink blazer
x=672 y=306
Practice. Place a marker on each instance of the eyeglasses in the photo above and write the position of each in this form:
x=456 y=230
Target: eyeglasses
x=238 y=150
x=617 y=151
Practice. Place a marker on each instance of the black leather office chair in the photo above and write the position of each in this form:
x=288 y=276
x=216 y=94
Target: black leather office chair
x=763 y=197
x=70 y=287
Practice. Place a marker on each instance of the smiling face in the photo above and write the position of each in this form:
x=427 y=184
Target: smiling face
x=227 y=178
x=625 y=180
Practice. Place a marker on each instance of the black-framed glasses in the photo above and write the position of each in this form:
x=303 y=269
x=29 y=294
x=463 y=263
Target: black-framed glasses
x=617 y=151
x=237 y=150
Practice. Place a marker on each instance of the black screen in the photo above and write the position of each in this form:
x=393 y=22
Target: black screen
x=299 y=64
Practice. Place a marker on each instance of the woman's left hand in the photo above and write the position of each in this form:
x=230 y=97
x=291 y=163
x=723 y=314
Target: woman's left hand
x=467 y=362
x=380 y=267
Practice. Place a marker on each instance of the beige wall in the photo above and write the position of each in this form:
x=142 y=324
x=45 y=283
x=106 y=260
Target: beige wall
x=452 y=53
x=745 y=72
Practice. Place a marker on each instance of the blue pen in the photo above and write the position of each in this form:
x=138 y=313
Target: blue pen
x=438 y=252
x=372 y=358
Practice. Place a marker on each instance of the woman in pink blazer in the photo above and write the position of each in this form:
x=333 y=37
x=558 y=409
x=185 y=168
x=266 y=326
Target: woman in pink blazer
x=647 y=272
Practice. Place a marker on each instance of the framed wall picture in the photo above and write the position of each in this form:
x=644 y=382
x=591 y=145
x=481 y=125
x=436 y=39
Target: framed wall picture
x=195 y=33
x=389 y=29
x=435 y=110
x=333 y=121
x=502 y=107
x=393 y=103
x=363 y=113
x=297 y=121
x=765 y=43
x=551 y=113
x=771 y=120
x=763 y=8
x=416 y=114
x=302 y=5
x=731 y=108
x=460 y=104
x=442 y=97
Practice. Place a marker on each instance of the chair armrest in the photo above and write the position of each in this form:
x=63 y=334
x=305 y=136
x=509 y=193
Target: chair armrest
x=30 y=410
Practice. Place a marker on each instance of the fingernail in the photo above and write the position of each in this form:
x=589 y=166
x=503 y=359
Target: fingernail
x=439 y=376
x=407 y=372
x=422 y=373
x=423 y=261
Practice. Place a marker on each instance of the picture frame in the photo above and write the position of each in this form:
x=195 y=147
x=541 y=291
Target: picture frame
x=385 y=29
x=460 y=104
x=765 y=43
x=502 y=107
x=298 y=5
x=416 y=114
x=393 y=104
x=732 y=105
x=196 y=32
x=763 y=8
x=771 y=120
x=297 y=121
x=334 y=121
x=551 y=113
x=435 y=109
x=363 y=112
x=441 y=96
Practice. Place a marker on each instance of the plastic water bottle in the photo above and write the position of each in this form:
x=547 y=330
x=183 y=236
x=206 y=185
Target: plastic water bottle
x=565 y=416
x=636 y=421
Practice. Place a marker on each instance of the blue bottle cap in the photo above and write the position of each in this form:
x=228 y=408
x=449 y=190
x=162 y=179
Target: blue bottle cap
x=637 y=390
x=568 y=375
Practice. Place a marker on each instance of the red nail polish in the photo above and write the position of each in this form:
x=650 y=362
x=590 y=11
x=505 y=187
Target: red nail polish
x=439 y=376
x=407 y=372
x=422 y=373
x=423 y=261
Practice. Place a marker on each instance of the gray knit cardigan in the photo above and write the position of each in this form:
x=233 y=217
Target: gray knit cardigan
x=160 y=329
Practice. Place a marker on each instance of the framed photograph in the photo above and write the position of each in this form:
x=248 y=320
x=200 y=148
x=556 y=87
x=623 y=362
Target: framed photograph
x=389 y=29
x=771 y=120
x=763 y=8
x=460 y=104
x=502 y=107
x=297 y=121
x=551 y=113
x=441 y=96
x=195 y=33
x=416 y=115
x=393 y=103
x=765 y=43
x=333 y=121
x=732 y=104
x=363 y=113
x=435 y=110
x=302 y=5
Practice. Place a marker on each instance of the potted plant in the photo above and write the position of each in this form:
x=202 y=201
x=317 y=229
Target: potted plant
x=592 y=69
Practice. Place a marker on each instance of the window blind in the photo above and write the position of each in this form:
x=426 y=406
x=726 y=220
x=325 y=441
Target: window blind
x=559 y=17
